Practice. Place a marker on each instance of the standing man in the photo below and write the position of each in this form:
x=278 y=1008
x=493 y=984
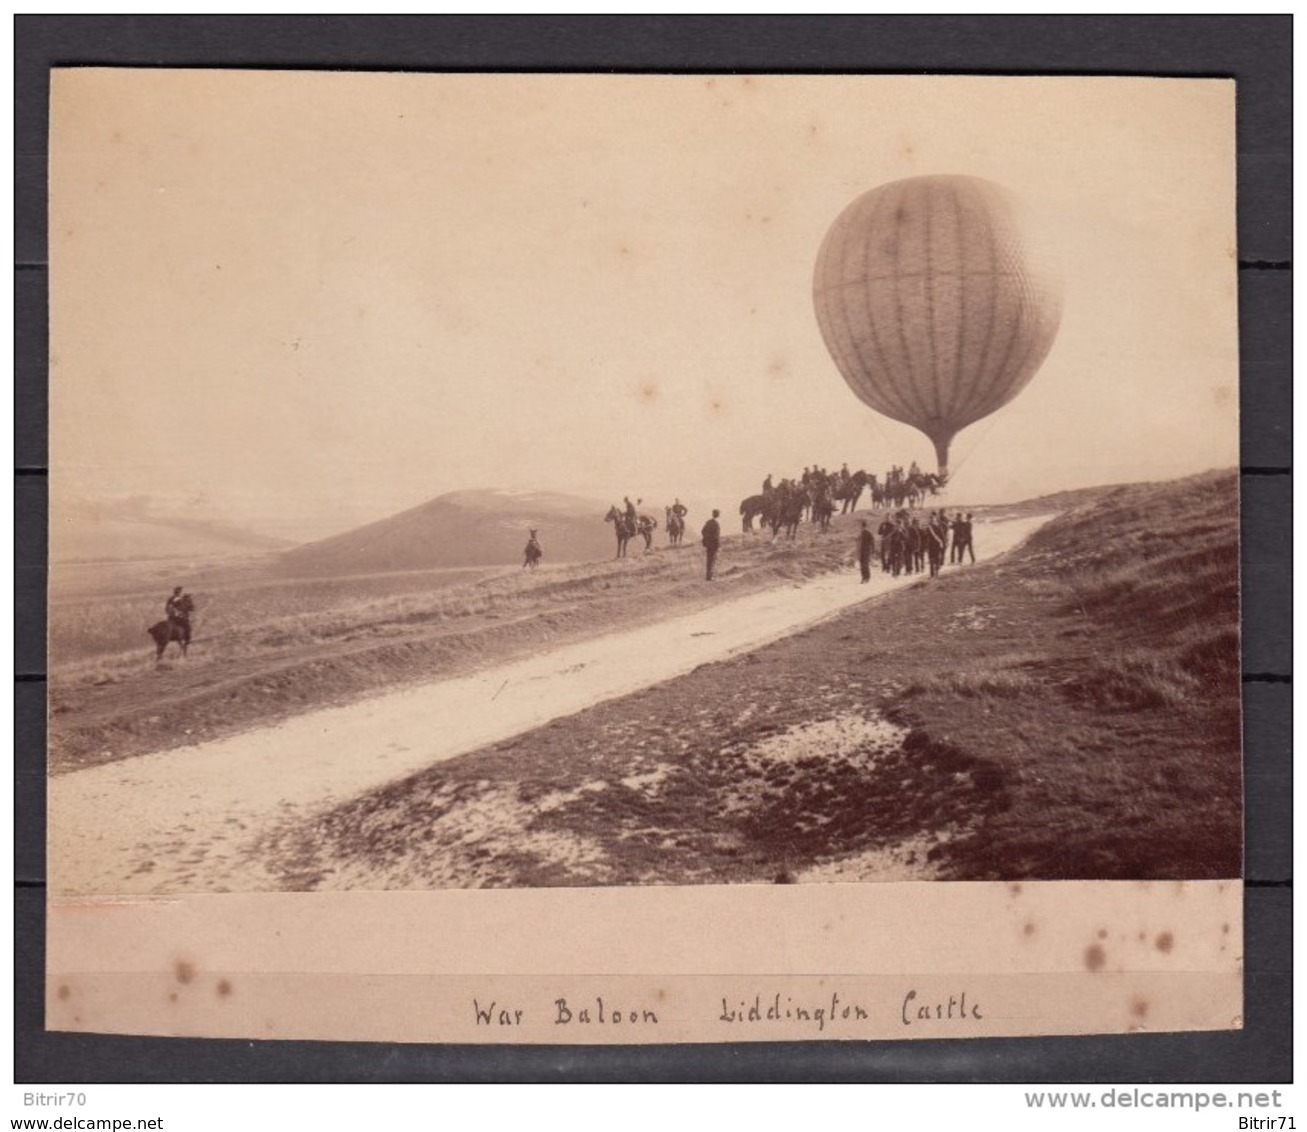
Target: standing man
x=712 y=539
x=964 y=529
x=866 y=544
x=955 y=546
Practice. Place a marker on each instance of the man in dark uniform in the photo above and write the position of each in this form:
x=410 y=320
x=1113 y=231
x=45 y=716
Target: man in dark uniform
x=866 y=544
x=885 y=529
x=964 y=537
x=712 y=540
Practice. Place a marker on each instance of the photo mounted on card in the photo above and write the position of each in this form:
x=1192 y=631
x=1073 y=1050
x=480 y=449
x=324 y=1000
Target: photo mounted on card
x=555 y=558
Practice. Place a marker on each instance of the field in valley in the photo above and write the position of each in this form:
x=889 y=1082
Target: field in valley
x=1070 y=711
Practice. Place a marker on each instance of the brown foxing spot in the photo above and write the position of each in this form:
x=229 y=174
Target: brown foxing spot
x=224 y=988
x=1102 y=933
x=649 y=391
x=1029 y=929
x=1139 y=1007
x=64 y=990
x=1015 y=889
x=1225 y=929
x=172 y=996
x=184 y=971
x=1165 y=942
x=1095 y=957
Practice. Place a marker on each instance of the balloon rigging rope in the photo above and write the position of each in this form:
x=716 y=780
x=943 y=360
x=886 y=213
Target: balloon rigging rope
x=989 y=425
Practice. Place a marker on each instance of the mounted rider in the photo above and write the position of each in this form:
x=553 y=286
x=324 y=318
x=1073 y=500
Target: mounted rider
x=178 y=609
x=532 y=554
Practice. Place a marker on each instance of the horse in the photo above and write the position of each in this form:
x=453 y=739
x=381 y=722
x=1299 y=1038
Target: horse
x=921 y=483
x=789 y=513
x=785 y=509
x=850 y=492
x=756 y=507
x=822 y=510
x=622 y=527
x=675 y=528
x=532 y=554
x=645 y=526
x=165 y=632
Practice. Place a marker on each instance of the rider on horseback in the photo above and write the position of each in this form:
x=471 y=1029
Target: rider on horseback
x=532 y=554
x=178 y=609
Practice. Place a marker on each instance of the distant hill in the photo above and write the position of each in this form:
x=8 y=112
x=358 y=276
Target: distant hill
x=139 y=528
x=463 y=528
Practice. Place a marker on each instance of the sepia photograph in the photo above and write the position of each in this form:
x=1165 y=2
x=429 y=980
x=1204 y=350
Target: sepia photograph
x=717 y=512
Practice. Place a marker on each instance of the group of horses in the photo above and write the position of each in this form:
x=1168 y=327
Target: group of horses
x=627 y=527
x=815 y=495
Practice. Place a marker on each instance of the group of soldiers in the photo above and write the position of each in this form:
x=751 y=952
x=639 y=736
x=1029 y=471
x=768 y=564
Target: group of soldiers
x=818 y=490
x=710 y=536
x=819 y=479
x=909 y=546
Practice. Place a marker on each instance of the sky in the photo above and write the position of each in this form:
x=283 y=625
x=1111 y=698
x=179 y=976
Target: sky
x=302 y=301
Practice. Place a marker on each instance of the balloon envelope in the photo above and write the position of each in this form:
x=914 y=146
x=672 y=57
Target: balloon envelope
x=937 y=301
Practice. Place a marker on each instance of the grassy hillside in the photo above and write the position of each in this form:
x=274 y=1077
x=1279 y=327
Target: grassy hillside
x=267 y=649
x=467 y=528
x=1069 y=712
x=132 y=530
x=1107 y=707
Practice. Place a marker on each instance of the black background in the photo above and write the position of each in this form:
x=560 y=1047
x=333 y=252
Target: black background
x=1254 y=50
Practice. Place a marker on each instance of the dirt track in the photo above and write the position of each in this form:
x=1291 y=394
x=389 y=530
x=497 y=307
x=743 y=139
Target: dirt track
x=186 y=819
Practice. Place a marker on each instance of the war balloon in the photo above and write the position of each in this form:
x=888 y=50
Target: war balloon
x=937 y=300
